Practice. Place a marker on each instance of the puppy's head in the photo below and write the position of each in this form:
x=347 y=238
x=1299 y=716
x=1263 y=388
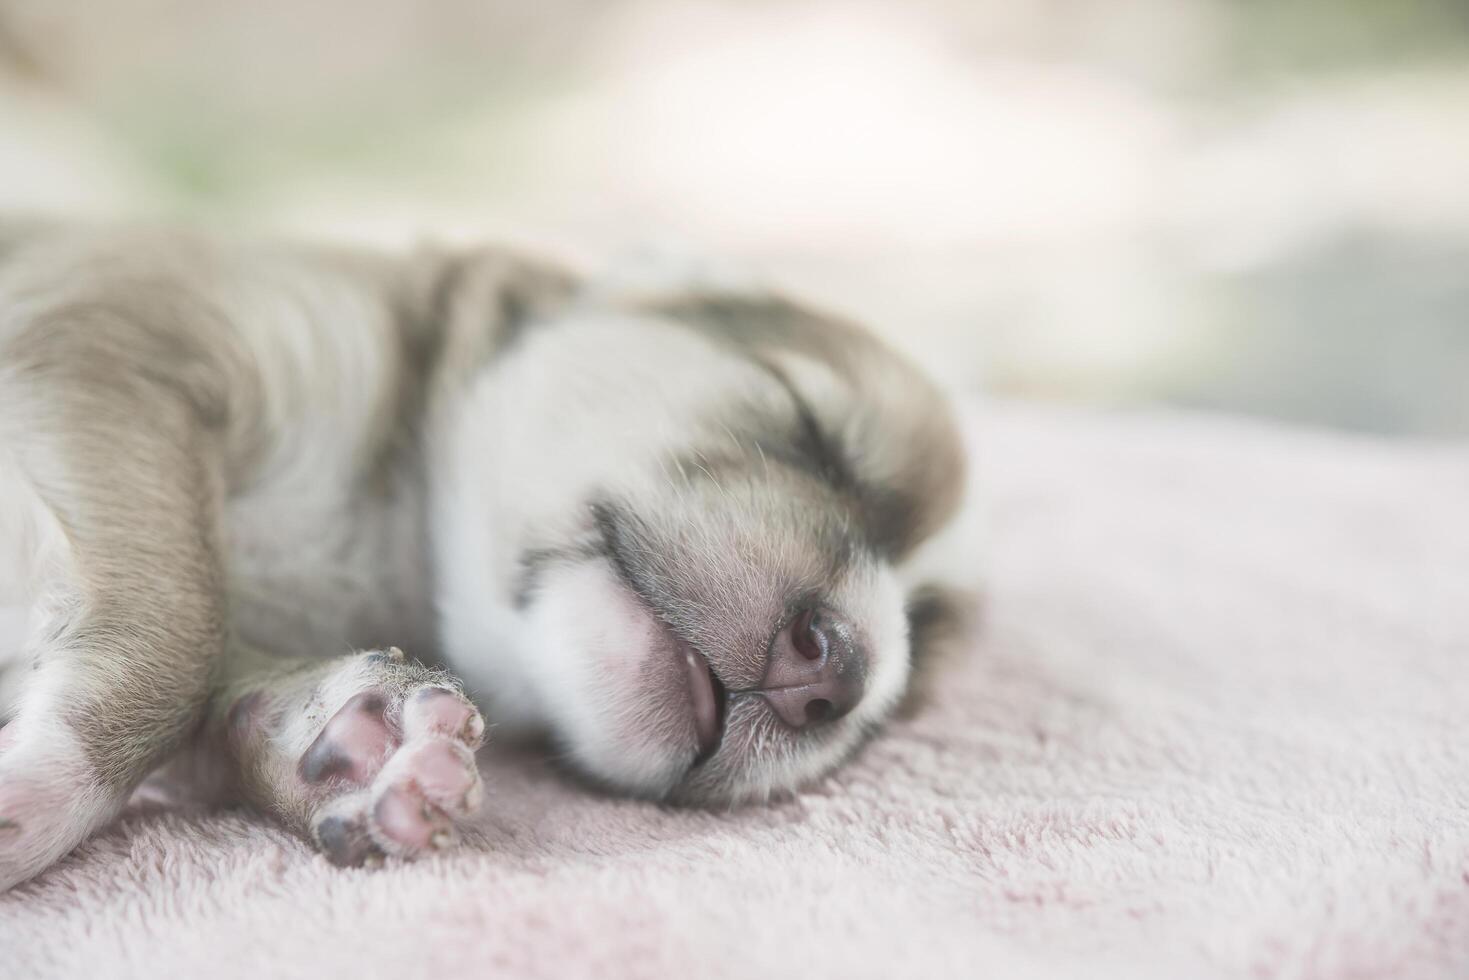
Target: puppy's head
x=672 y=535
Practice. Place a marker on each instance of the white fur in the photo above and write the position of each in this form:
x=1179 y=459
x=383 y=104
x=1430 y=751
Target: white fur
x=518 y=420
x=594 y=647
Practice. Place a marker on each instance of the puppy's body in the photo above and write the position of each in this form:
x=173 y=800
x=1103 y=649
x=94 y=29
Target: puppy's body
x=664 y=533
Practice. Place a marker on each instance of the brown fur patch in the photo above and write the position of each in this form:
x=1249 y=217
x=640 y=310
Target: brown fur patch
x=891 y=430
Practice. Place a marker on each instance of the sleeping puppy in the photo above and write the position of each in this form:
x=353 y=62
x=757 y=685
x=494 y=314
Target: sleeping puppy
x=669 y=532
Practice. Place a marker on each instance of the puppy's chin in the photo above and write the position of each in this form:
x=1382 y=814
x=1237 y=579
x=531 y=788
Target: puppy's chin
x=613 y=681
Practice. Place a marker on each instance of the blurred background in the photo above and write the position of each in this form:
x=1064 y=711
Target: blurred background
x=1258 y=206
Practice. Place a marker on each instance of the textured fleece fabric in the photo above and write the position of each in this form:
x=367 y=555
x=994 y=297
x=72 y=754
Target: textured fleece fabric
x=1215 y=724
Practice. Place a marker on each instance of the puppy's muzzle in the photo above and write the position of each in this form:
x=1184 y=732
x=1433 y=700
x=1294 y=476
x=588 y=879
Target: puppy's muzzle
x=815 y=671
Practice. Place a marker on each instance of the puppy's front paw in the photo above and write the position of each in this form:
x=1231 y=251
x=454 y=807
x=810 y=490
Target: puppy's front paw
x=402 y=773
x=391 y=769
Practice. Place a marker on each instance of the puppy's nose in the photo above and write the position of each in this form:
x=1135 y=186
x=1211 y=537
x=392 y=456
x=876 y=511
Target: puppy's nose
x=816 y=670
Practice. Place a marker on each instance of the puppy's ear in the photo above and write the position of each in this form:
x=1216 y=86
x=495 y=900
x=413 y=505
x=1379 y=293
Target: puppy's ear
x=465 y=308
x=942 y=622
x=879 y=423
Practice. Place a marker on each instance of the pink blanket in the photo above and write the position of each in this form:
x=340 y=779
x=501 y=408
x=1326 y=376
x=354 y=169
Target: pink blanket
x=1216 y=724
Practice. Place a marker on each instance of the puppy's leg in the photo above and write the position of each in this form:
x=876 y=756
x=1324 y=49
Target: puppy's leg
x=123 y=597
x=369 y=755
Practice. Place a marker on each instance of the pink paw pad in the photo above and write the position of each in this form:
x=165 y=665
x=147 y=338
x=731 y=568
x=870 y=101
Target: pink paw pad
x=353 y=745
x=408 y=824
x=444 y=773
x=440 y=711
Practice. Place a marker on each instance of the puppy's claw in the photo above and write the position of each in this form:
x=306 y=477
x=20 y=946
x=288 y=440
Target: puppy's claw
x=393 y=655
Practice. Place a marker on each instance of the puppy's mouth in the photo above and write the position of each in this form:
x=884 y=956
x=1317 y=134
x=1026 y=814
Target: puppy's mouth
x=709 y=699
